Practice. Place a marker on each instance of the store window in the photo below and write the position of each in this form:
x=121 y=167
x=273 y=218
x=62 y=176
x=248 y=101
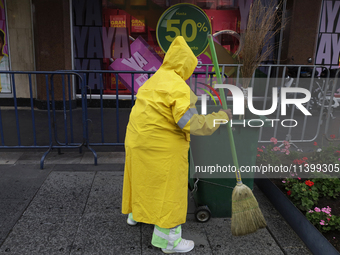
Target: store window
x=5 y=83
x=328 y=47
x=121 y=35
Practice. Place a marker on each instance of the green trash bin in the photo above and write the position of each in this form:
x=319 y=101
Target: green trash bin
x=212 y=192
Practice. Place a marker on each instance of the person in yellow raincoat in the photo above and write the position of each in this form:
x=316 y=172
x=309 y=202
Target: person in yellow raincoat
x=157 y=140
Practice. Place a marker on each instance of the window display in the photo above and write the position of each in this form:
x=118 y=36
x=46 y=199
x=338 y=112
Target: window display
x=122 y=35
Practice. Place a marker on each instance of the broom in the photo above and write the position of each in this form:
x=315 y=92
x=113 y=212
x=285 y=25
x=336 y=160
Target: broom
x=246 y=214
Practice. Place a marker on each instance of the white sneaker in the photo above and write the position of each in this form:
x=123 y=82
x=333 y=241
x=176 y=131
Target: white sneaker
x=183 y=247
x=131 y=222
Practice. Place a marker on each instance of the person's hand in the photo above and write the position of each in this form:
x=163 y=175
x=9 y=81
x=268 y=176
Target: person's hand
x=228 y=111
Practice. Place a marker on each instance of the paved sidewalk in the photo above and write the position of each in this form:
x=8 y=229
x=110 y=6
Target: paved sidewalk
x=73 y=207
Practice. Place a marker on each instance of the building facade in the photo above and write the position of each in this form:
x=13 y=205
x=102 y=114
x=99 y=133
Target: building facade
x=48 y=35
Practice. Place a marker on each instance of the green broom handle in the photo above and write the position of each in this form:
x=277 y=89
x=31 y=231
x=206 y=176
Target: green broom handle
x=224 y=106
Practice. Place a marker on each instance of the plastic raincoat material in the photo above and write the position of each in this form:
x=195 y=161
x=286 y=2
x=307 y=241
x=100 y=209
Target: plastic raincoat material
x=157 y=139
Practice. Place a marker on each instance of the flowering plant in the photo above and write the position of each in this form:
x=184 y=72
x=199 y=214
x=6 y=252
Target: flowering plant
x=285 y=150
x=323 y=220
x=327 y=186
x=271 y=153
x=326 y=155
x=309 y=183
x=301 y=161
x=323 y=181
x=303 y=194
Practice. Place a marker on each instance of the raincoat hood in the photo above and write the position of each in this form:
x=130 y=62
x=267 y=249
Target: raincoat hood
x=180 y=58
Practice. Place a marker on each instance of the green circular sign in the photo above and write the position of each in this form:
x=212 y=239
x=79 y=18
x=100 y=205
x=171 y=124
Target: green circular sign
x=186 y=20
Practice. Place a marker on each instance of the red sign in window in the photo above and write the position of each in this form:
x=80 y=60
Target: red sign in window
x=118 y=21
x=138 y=24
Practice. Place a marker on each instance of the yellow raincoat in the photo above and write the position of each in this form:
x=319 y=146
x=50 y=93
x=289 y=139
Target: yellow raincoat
x=157 y=139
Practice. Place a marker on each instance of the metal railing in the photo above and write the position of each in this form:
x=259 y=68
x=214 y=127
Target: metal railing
x=41 y=129
x=332 y=125
x=62 y=125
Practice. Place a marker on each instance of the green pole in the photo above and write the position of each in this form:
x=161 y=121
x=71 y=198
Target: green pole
x=224 y=106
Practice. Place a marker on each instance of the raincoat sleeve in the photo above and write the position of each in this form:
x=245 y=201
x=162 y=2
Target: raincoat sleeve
x=193 y=123
x=204 y=124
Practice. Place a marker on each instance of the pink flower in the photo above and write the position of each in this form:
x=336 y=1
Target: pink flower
x=322 y=222
x=273 y=140
x=287 y=152
x=263 y=147
x=328 y=219
x=317 y=209
x=283 y=150
x=299 y=178
x=276 y=148
x=310 y=211
x=286 y=143
x=283 y=181
x=327 y=210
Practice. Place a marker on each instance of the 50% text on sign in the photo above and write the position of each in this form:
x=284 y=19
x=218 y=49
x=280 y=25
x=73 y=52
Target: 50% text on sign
x=186 y=20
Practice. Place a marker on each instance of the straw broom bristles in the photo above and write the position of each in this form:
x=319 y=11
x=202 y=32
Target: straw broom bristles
x=246 y=214
x=262 y=26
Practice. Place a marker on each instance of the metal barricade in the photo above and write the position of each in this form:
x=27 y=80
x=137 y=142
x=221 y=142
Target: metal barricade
x=42 y=129
x=105 y=126
x=308 y=128
x=332 y=126
x=273 y=76
x=97 y=119
x=102 y=140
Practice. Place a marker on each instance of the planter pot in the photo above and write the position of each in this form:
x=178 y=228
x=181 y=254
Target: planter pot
x=310 y=235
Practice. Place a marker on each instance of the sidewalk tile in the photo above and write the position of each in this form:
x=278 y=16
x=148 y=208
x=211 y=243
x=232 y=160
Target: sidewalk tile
x=10 y=212
x=62 y=193
x=106 y=234
x=9 y=157
x=106 y=193
x=222 y=241
x=42 y=235
x=288 y=239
